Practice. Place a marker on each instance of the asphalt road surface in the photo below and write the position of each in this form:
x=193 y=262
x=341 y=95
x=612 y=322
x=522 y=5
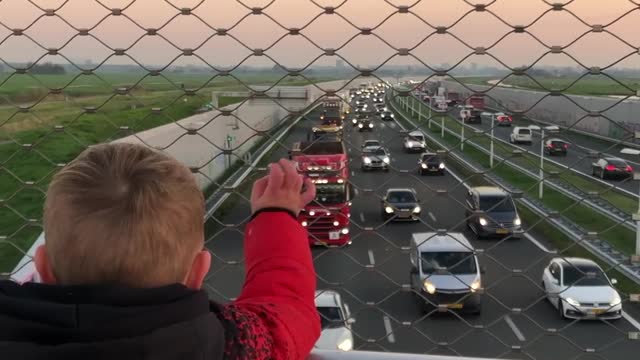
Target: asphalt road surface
x=577 y=157
x=516 y=320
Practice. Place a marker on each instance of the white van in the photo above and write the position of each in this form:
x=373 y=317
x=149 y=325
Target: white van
x=521 y=135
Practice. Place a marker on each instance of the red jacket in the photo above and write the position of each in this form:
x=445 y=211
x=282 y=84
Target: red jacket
x=275 y=315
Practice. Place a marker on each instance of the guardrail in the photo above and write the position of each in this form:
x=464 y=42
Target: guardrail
x=565 y=226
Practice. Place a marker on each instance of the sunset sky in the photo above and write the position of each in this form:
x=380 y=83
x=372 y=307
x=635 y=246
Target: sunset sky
x=331 y=31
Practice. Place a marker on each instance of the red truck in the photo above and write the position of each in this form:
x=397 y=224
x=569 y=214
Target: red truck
x=477 y=101
x=327 y=217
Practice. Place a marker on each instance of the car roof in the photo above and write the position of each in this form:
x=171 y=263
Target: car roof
x=434 y=242
x=401 y=189
x=416 y=133
x=610 y=158
x=372 y=140
x=373 y=147
x=575 y=261
x=327 y=298
x=556 y=139
x=489 y=190
x=428 y=154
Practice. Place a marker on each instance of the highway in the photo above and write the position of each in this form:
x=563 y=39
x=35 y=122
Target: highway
x=578 y=156
x=515 y=320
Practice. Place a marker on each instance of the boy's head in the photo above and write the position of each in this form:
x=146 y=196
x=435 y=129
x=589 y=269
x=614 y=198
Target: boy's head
x=123 y=214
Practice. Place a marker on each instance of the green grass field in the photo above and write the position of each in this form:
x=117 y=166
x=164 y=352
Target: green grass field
x=589 y=85
x=58 y=130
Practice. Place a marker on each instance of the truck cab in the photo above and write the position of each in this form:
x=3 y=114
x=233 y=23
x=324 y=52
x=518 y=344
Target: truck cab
x=327 y=216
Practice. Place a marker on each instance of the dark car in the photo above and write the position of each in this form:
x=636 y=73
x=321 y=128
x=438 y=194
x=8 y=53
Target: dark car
x=365 y=125
x=556 y=147
x=401 y=204
x=491 y=212
x=610 y=167
x=431 y=163
x=387 y=116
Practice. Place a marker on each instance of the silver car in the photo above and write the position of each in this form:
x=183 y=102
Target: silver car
x=336 y=321
x=445 y=272
x=375 y=158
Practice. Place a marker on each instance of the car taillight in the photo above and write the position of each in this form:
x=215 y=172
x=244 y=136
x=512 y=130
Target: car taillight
x=566 y=146
x=629 y=168
x=610 y=167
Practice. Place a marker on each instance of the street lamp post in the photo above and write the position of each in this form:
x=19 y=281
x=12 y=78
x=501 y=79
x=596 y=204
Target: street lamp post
x=549 y=129
x=429 y=112
x=636 y=216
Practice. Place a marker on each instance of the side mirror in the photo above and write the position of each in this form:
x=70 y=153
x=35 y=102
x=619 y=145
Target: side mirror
x=351 y=321
x=614 y=281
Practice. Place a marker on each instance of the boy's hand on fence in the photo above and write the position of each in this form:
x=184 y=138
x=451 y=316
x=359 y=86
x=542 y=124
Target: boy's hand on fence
x=282 y=188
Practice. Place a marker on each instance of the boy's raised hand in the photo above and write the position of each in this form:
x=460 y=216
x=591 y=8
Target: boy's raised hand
x=282 y=188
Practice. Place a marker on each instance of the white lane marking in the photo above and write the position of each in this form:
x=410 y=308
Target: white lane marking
x=536 y=242
x=514 y=328
x=362 y=217
x=631 y=320
x=432 y=216
x=372 y=260
x=387 y=327
x=355 y=191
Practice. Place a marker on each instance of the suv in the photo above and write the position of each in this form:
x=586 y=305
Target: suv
x=431 y=163
x=556 y=146
x=335 y=322
x=445 y=272
x=492 y=212
x=415 y=141
x=401 y=204
x=375 y=157
x=521 y=135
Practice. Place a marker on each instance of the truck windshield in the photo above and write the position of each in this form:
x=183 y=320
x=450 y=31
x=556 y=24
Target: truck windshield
x=452 y=262
x=331 y=193
x=330 y=317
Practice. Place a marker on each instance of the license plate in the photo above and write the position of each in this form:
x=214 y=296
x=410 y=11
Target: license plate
x=433 y=169
x=596 y=311
x=404 y=210
x=454 y=306
x=334 y=235
x=502 y=231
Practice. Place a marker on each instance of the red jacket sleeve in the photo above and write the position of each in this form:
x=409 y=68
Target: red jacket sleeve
x=280 y=286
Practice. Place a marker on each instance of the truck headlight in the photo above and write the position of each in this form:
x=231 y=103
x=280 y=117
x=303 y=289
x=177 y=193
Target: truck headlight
x=304 y=224
x=475 y=285
x=417 y=210
x=386 y=160
x=483 y=221
x=441 y=166
x=429 y=287
x=335 y=223
x=424 y=166
x=312 y=213
x=345 y=231
x=366 y=160
x=517 y=221
x=572 y=302
x=388 y=210
x=346 y=345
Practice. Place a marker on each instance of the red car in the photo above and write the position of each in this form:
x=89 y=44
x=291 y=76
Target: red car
x=504 y=120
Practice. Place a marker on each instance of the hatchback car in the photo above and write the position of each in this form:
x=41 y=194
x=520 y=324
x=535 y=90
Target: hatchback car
x=365 y=125
x=503 y=119
x=579 y=289
x=431 y=163
x=521 y=135
x=401 y=204
x=445 y=272
x=415 y=141
x=335 y=321
x=387 y=115
x=610 y=167
x=371 y=143
x=375 y=158
x=556 y=147
x=491 y=212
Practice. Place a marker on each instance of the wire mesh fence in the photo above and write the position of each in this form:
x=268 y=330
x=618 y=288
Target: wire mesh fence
x=527 y=228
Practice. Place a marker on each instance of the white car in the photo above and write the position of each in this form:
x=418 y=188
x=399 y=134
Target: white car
x=336 y=321
x=579 y=289
x=521 y=135
x=415 y=141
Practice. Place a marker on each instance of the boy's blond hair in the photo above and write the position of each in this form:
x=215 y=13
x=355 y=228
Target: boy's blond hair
x=123 y=214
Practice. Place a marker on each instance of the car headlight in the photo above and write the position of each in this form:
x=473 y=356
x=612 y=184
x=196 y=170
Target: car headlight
x=354 y=121
x=385 y=109
x=315 y=130
x=483 y=222
x=410 y=143
x=616 y=301
x=370 y=125
x=388 y=209
x=517 y=222
x=360 y=126
x=386 y=160
x=475 y=285
x=429 y=287
x=366 y=160
x=417 y=210
x=393 y=115
x=346 y=345
x=441 y=166
x=424 y=166
x=572 y=302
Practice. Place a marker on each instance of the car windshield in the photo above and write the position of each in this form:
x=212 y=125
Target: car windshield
x=331 y=193
x=558 y=143
x=583 y=275
x=496 y=204
x=371 y=143
x=401 y=197
x=330 y=317
x=431 y=159
x=617 y=162
x=454 y=262
x=416 y=137
x=380 y=151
